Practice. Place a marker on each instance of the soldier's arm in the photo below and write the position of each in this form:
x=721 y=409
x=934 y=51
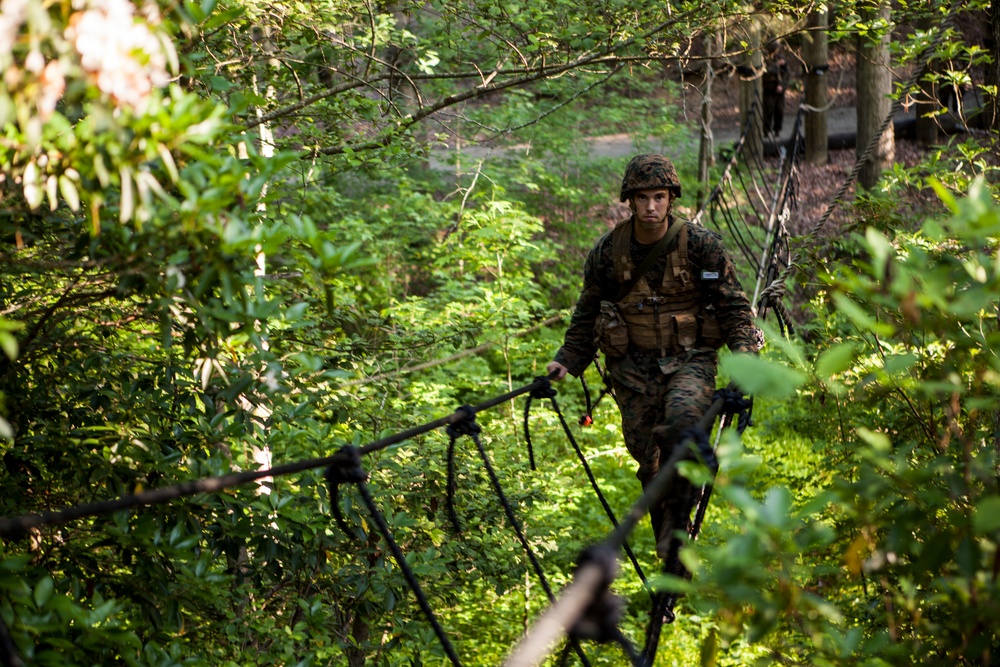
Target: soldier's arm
x=723 y=290
x=578 y=349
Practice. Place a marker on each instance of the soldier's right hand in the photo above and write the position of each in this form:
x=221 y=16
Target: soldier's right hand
x=556 y=367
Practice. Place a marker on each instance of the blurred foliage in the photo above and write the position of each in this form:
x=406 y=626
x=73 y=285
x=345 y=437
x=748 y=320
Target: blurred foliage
x=240 y=233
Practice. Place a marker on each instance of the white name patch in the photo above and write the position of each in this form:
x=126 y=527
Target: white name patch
x=709 y=275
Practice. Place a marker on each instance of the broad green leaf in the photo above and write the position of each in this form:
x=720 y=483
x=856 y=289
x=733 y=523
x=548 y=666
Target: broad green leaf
x=835 y=360
x=987 y=515
x=8 y=344
x=881 y=250
x=762 y=378
x=43 y=591
x=879 y=441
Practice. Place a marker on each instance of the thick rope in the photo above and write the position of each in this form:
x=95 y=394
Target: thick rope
x=469 y=426
x=580 y=592
x=408 y=573
x=599 y=621
x=549 y=393
x=17 y=526
x=347 y=469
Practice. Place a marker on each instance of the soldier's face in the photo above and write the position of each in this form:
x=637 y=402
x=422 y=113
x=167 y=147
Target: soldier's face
x=651 y=207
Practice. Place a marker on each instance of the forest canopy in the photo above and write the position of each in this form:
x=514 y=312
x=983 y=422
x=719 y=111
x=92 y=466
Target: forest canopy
x=239 y=234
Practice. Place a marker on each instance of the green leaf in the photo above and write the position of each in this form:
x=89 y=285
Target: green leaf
x=762 y=378
x=223 y=17
x=987 y=516
x=835 y=360
x=944 y=194
x=43 y=591
x=880 y=248
x=8 y=344
x=861 y=319
x=878 y=441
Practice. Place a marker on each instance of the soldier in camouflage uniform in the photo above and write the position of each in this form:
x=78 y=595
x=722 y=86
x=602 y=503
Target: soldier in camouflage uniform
x=686 y=305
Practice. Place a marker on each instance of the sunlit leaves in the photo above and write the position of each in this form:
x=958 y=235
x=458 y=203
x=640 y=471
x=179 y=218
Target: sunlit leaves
x=758 y=376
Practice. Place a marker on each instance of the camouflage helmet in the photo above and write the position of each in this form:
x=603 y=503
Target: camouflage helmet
x=649 y=171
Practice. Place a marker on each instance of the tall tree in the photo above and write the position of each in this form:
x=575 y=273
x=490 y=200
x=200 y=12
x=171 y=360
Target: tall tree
x=994 y=67
x=817 y=65
x=874 y=84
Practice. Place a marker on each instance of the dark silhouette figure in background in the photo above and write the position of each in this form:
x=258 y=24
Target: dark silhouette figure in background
x=773 y=84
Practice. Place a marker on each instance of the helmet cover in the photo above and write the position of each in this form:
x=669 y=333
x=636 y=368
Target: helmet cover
x=649 y=171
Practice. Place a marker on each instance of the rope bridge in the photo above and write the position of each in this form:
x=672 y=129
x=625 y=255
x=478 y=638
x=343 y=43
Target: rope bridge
x=751 y=202
x=586 y=609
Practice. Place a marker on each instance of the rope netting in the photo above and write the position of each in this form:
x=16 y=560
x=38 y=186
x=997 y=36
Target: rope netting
x=752 y=202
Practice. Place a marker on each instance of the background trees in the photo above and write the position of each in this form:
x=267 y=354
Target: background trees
x=269 y=243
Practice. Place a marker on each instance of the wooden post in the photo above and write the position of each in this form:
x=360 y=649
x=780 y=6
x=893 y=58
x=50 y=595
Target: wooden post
x=874 y=104
x=994 y=68
x=817 y=61
x=927 y=126
x=751 y=88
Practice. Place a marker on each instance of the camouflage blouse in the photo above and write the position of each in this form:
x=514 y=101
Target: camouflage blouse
x=706 y=257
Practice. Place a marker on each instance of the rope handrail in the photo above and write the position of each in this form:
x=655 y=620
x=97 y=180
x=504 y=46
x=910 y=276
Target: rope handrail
x=17 y=525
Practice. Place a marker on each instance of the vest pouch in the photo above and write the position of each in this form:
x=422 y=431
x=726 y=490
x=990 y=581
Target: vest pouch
x=711 y=332
x=610 y=333
x=686 y=328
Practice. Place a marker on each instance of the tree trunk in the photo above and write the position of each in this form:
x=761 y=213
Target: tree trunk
x=750 y=88
x=994 y=77
x=817 y=63
x=874 y=87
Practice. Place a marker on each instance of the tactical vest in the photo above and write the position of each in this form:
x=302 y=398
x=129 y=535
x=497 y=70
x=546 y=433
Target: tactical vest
x=670 y=319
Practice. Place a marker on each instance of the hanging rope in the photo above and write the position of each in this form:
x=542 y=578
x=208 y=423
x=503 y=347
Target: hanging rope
x=347 y=469
x=748 y=204
x=468 y=426
x=775 y=292
x=547 y=391
x=587 y=581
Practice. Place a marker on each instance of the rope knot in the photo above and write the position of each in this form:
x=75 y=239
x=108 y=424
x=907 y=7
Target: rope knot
x=700 y=438
x=346 y=467
x=465 y=424
x=544 y=390
x=599 y=621
x=737 y=404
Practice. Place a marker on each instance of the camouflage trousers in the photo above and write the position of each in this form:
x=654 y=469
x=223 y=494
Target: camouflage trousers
x=658 y=399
